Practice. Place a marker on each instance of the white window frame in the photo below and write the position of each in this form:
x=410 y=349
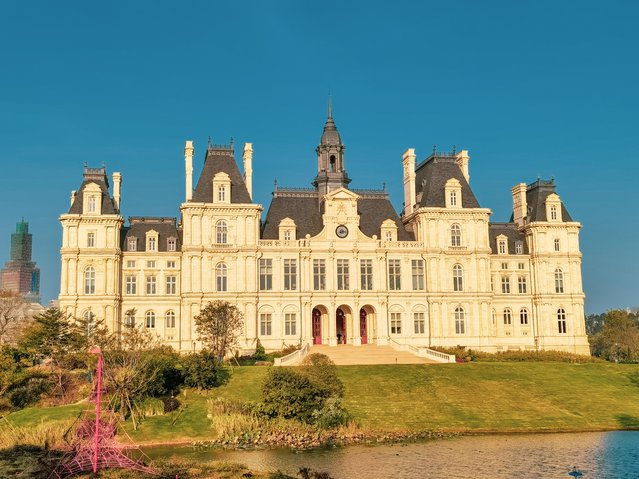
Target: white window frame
x=131 y=285
x=266 y=324
x=458 y=278
x=169 y=319
x=394 y=274
x=366 y=274
x=151 y=285
x=89 y=280
x=396 y=322
x=221 y=277
x=266 y=274
x=171 y=284
x=290 y=324
x=419 y=322
x=460 y=320
x=290 y=274
x=343 y=275
x=319 y=274
x=149 y=320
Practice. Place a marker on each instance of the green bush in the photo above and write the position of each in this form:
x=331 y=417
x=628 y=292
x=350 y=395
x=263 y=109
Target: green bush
x=203 y=371
x=29 y=390
x=260 y=352
x=322 y=372
x=164 y=367
x=332 y=414
x=289 y=394
x=468 y=355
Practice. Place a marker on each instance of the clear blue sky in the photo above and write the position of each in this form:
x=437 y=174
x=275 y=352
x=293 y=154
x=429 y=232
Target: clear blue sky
x=530 y=88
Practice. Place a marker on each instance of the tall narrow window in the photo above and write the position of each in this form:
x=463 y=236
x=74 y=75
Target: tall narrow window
x=559 y=281
x=419 y=323
x=132 y=244
x=455 y=235
x=521 y=283
x=129 y=320
x=287 y=235
x=151 y=285
x=561 y=321
x=153 y=243
x=505 y=284
x=171 y=284
x=171 y=244
x=319 y=274
x=89 y=280
x=553 y=212
x=88 y=323
x=418 y=274
x=366 y=274
x=169 y=319
x=458 y=278
x=502 y=247
x=453 y=198
x=519 y=247
x=290 y=274
x=396 y=323
x=388 y=236
x=266 y=324
x=557 y=244
x=220 y=277
x=343 y=274
x=221 y=232
x=150 y=319
x=131 y=285
x=221 y=193
x=91 y=239
x=290 y=324
x=460 y=321
x=92 y=204
x=508 y=317
x=266 y=274
x=394 y=274
x=523 y=316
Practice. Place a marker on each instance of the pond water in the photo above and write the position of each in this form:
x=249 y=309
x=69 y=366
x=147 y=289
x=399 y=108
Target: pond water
x=603 y=455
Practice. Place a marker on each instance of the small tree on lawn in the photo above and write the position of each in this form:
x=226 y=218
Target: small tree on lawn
x=218 y=326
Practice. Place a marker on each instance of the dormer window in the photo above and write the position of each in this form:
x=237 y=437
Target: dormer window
x=553 y=212
x=453 y=193
x=92 y=195
x=553 y=208
x=287 y=230
x=221 y=188
x=171 y=244
x=502 y=244
x=453 y=198
x=132 y=244
x=91 y=204
x=287 y=235
x=389 y=230
x=152 y=244
x=152 y=240
x=221 y=194
x=519 y=247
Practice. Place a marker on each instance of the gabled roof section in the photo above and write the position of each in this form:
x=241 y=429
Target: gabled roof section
x=431 y=177
x=219 y=158
x=536 y=194
x=139 y=226
x=510 y=231
x=99 y=177
x=302 y=206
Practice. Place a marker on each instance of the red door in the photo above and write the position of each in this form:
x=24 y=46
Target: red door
x=317 y=327
x=362 y=326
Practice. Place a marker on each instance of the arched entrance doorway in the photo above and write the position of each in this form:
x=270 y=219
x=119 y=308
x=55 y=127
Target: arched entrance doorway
x=363 y=330
x=367 y=324
x=340 y=326
x=317 y=326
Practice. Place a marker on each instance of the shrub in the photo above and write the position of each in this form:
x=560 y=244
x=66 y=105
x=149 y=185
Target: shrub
x=28 y=391
x=289 y=394
x=468 y=355
x=163 y=364
x=170 y=404
x=260 y=352
x=322 y=372
x=331 y=415
x=203 y=371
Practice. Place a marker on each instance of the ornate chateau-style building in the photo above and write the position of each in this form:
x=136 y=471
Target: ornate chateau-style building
x=330 y=264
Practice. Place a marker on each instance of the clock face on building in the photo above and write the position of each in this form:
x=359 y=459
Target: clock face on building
x=341 y=231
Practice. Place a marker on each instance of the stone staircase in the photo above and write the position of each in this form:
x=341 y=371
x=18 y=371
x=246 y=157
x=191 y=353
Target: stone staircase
x=346 y=354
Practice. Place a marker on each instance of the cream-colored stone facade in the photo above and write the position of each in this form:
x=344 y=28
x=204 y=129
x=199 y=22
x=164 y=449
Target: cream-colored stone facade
x=332 y=265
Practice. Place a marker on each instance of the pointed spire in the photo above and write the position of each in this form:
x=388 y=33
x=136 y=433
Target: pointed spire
x=330 y=106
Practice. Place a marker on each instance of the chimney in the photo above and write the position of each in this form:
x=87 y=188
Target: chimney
x=408 y=162
x=462 y=159
x=248 y=167
x=520 y=207
x=188 y=160
x=117 y=189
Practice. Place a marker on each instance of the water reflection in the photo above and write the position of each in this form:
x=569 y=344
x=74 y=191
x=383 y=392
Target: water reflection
x=611 y=455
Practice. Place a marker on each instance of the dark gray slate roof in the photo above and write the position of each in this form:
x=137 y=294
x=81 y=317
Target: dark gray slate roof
x=536 y=195
x=220 y=159
x=509 y=230
x=99 y=177
x=430 y=181
x=304 y=209
x=139 y=226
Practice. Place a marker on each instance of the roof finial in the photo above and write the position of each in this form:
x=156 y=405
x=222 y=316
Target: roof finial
x=330 y=106
x=209 y=141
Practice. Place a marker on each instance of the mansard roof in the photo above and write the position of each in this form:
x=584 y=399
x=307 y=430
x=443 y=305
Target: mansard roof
x=511 y=232
x=431 y=177
x=219 y=158
x=99 y=177
x=139 y=226
x=304 y=207
x=536 y=195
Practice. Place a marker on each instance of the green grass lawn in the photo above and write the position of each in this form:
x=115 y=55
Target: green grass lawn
x=478 y=397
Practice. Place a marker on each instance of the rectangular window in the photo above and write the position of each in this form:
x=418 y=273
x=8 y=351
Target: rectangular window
x=287 y=235
x=171 y=284
x=290 y=274
x=91 y=240
x=396 y=323
x=170 y=264
x=151 y=285
x=171 y=244
x=453 y=198
x=131 y=285
x=394 y=274
x=553 y=212
x=266 y=274
x=418 y=274
x=557 y=248
x=130 y=264
x=290 y=324
x=266 y=324
x=342 y=274
x=502 y=247
x=153 y=242
x=366 y=274
x=132 y=244
x=505 y=284
x=519 y=247
x=92 y=204
x=420 y=323
x=221 y=193
x=150 y=264
x=521 y=266
x=521 y=282
x=504 y=266
x=319 y=274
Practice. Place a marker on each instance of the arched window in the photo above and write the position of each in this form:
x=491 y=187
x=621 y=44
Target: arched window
x=458 y=278
x=89 y=280
x=150 y=319
x=559 y=281
x=561 y=320
x=508 y=316
x=88 y=322
x=523 y=316
x=455 y=235
x=220 y=277
x=460 y=321
x=221 y=232
x=331 y=166
x=169 y=319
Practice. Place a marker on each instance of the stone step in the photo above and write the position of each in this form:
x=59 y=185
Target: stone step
x=346 y=354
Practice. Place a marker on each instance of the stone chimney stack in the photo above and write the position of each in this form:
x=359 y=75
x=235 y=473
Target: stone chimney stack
x=248 y=167
x=117 y=189
x=188 y=160
x=408 y=162
x=520 y=207
x=462 y=159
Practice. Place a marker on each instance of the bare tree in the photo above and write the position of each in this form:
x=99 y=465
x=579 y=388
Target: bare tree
x=13 y=316
x=218 y=326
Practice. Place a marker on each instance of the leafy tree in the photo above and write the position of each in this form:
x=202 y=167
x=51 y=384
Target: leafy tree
x=13 y=316
x=618 y=339
x=289 y=394
x=203 y=371
x=322 y=372
x=9 y=368
x=218 y=326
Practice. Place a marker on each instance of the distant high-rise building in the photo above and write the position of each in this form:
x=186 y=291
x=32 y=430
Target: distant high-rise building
x=20 y=274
